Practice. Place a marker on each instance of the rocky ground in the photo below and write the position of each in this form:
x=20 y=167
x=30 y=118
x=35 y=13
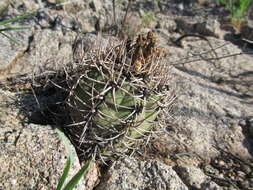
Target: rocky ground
x=205 y=138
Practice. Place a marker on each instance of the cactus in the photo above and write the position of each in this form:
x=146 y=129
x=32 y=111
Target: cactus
x=116 y=99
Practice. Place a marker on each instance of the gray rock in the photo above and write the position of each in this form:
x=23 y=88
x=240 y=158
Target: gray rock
x=49 y=41
x=48 y=49
x=208 y=27
x=195 y=178
x=129 y=173
x=31 y=156
x=207 y=113
x=13 y=51
x=166 y=22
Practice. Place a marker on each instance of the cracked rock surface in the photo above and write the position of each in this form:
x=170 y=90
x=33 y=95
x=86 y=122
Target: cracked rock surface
x=129 y=173
x=32 y=156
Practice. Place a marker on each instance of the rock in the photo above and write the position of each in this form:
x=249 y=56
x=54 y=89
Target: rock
x=195 y=178
x=48 y=43
x=129 y=173
x=166 y=22
x=246 y=169
x=83 y=15
x=207 y=114
x=92 y=177
x=208 y=27
x=49 y=48
x=32 y=156
x=13 y=51
x=251 y=182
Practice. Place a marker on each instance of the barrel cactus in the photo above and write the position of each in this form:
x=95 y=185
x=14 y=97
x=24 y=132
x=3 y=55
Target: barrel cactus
x=114 y=103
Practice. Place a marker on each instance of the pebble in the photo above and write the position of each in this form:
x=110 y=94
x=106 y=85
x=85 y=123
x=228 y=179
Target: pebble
x=246 y=169
x=242 y=123
x=245 y=184
x=251 y=182
x=221 y=163
x=240 y=174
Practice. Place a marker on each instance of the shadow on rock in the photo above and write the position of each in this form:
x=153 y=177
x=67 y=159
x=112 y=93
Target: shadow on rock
x=241 y=83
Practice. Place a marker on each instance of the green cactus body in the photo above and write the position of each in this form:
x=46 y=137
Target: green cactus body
x=111 y=108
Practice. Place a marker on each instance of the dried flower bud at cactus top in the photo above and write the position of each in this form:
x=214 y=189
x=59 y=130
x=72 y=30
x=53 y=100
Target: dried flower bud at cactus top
x=111 y=105
x=145 y=52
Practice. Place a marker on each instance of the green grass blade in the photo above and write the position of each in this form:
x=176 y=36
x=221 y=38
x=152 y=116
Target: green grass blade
x=69 y=161
x=64 y=174
x=74 y=181
x=19 y=18
x=245 y=4
x=9 y=37
x=66 y=142
x=15 y=28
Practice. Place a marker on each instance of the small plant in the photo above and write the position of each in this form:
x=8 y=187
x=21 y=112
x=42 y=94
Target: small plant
x=238 y=10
